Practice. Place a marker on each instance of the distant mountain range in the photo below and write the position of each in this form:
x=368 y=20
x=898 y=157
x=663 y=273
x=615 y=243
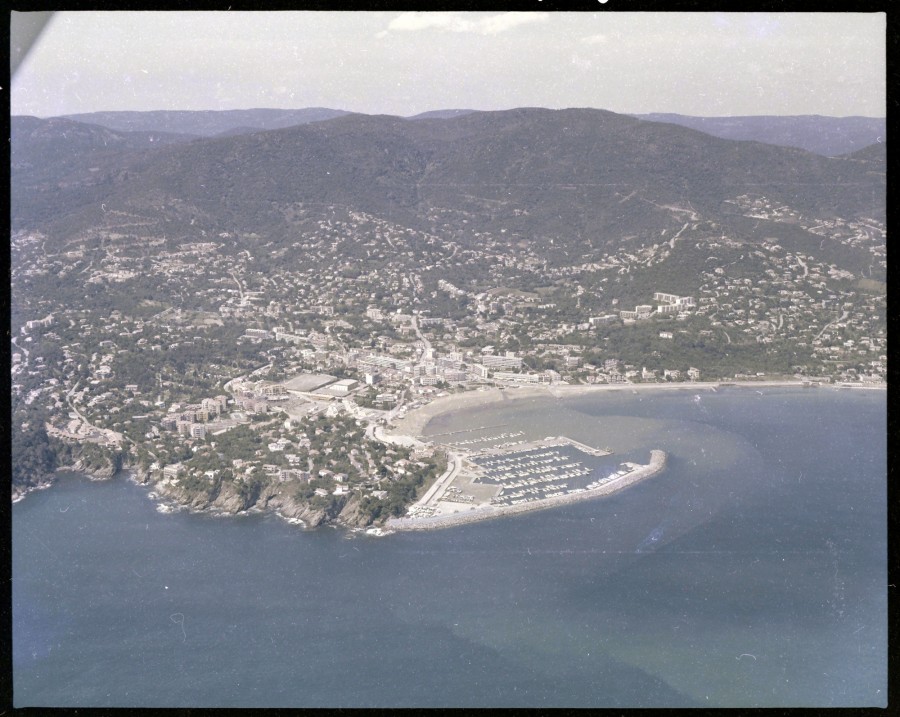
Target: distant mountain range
x=579 y=177
x=828 y=136
x=441 y=114
x=206 y=123
x=218 y=123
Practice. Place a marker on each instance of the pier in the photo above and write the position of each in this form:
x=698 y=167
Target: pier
x=465 y=430
x=548 y=442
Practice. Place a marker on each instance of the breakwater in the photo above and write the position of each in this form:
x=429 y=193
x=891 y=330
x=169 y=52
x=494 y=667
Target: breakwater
x=656 y=465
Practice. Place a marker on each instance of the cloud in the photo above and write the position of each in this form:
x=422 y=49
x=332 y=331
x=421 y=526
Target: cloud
x=581 y=63
x=452 y=22
x=501 y=23
x=599 y=39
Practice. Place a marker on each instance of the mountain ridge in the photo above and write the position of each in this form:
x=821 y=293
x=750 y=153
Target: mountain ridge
x=576 y=174
x=820 y=134
x=205 y=123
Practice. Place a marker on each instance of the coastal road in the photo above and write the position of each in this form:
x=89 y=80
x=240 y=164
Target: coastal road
x=441 y=484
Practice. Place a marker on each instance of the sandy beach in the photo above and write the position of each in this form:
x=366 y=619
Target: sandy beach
x=415 y=422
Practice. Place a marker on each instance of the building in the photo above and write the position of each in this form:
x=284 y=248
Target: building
x=257 y=333
x=501 y=362
x=673 y=300
x=343 y=387
x=275 y=390
x=173 y=470
x=518 y=377
x=455 y=376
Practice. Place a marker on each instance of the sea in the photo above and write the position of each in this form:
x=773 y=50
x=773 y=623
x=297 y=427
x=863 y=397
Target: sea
x=751 y=573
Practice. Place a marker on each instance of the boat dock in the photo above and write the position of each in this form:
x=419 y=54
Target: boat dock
x=548 y=442
x=464 y=430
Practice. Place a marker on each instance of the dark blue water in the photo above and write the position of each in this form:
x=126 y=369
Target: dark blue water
x=751 y=573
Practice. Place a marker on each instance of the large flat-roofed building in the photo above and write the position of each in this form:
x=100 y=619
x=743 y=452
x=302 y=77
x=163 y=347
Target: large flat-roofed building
x=501 y=361
x=518 y=377
x=673 y=299
x=308 y=382
x=342 y=387
x=375 y=362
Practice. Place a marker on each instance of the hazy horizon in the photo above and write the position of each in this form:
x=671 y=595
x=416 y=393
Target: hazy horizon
x=403 y=64
x=447 y=109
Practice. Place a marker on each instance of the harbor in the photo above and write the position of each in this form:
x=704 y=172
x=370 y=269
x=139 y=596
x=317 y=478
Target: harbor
x=514 y=476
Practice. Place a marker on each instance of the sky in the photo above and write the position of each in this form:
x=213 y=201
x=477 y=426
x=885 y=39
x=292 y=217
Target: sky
x=404 y=63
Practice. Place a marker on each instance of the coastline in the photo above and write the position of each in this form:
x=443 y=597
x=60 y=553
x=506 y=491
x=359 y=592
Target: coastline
x=20 y=492
x=416 y=421
x=658 y=460
x=411 y=428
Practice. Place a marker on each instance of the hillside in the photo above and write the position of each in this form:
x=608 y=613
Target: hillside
x=152 y=275
x=828 y=136
x=58 y=165
x=576 y=176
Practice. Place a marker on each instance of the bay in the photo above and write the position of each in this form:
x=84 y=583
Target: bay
x=752 y=572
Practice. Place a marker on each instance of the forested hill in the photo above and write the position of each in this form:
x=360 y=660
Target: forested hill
x=573 y=175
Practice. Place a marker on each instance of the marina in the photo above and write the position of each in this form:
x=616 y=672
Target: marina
x=440 y=514
x=517 y=475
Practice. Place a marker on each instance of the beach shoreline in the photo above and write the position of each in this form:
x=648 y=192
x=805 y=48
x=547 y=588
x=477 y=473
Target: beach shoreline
x=416 y=421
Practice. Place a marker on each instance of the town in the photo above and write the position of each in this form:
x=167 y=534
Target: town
x=293 y=355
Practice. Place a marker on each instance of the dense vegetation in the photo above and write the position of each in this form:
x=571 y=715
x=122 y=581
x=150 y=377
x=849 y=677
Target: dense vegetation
x=569 y=185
